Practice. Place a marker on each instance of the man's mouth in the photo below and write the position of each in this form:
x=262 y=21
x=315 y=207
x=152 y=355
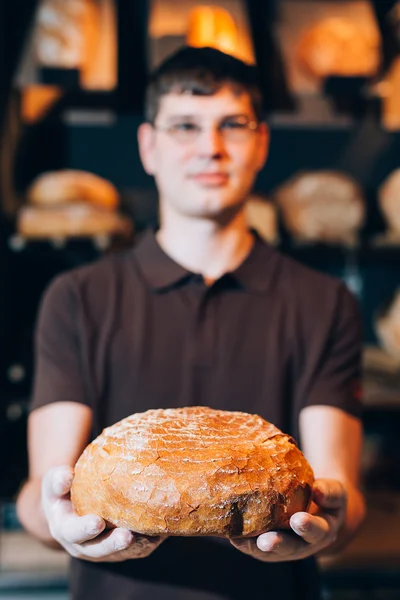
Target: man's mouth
x=210 y=178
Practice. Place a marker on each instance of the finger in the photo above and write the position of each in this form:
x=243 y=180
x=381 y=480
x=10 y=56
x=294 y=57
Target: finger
x=246 y=545
x=329 y=493
x=106 y=545
x=273 y=547
x=141 y=547
x=77 y=530
x=249 y=546
x=67 y=527
x=265 y=543
x=56 y=483
x=282 y=545
x=312 y=529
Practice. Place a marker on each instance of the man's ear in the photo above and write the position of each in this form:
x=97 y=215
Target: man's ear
x=146 y=143
x=263 y=145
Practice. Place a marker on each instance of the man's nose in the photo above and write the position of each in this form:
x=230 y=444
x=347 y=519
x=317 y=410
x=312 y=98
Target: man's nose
x=211 y=142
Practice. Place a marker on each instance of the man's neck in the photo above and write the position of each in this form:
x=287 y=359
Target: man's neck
x=204 y=246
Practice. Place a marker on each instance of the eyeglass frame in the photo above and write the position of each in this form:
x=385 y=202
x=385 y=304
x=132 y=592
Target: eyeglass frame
x=251 y=125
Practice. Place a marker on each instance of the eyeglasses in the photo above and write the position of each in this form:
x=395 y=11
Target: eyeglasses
x=234 y=129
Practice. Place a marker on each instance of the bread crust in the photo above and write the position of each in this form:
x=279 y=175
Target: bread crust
x=322 y=206
x=70 y=220
x=339 y=46
x=193 y=471
x=70 y=185
x=389 y=201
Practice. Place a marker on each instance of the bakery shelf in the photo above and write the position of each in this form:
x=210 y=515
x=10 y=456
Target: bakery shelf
x=18 y=243
x=20 y=552
x=377 y=246
x=98 y=243
x=381 y=392
x=66 y=78
x=89 y=117
x=381 y=400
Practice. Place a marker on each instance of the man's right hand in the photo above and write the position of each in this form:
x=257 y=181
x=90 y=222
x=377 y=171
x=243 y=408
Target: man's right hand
x=86 y=537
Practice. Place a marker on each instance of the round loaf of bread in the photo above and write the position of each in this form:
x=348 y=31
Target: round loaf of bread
x=322 y=206
x=339 y=46
x=262 y=215
x=389 y=202
x=70 y=185
x=70 y=220
x=387 y=327
x=193 y=471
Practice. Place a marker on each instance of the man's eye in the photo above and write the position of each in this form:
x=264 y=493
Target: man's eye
x=185 y=127
x=233 y=125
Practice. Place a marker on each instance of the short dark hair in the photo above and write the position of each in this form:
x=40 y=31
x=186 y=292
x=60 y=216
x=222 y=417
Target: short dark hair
x=201 y=72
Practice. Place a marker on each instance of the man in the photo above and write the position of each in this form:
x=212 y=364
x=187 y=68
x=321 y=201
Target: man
x=201 y=312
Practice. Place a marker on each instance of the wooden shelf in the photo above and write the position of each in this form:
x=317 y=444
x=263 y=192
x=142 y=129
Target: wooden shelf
x=20 y=552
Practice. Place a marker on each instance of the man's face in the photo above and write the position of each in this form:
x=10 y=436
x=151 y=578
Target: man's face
x=204 y=152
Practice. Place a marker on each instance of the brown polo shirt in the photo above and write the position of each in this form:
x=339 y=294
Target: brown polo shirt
x=136 y=331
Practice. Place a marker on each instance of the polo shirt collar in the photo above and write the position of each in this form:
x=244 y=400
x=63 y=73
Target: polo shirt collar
x=256 y=273
x=161 y=271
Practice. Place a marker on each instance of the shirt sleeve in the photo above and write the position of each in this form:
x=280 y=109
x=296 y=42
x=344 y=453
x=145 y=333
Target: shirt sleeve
x=58 y=358
x=333 y=372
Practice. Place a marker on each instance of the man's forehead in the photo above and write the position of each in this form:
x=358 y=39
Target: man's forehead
x=223 y=102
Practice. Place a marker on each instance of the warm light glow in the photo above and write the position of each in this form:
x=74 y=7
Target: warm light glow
x=100 y=70
x=36 y=101
x=172 y=22
x=212 y=26
x=391 y=101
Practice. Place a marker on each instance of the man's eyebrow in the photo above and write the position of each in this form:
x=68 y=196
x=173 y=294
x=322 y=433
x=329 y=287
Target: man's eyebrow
x=193 y=117
x=178 y=117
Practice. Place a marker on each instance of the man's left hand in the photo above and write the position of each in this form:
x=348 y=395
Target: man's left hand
x=311 y=531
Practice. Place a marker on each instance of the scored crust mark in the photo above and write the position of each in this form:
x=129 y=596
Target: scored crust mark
x=192 y=471
x=278 y=509
x=238 y=512
x=193 y=508
x=235 y=526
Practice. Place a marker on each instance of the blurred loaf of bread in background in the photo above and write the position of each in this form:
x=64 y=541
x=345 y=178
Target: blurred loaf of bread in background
x=322 y=206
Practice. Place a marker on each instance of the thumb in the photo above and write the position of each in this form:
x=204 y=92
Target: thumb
x=57 y=482
x=329 y=493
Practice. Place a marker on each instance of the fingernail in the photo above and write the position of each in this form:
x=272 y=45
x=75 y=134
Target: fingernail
x=296 y=522
x=124 y=540
x=321 y=489
x=62 y=484
x=264 y=544
x=94 y=527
